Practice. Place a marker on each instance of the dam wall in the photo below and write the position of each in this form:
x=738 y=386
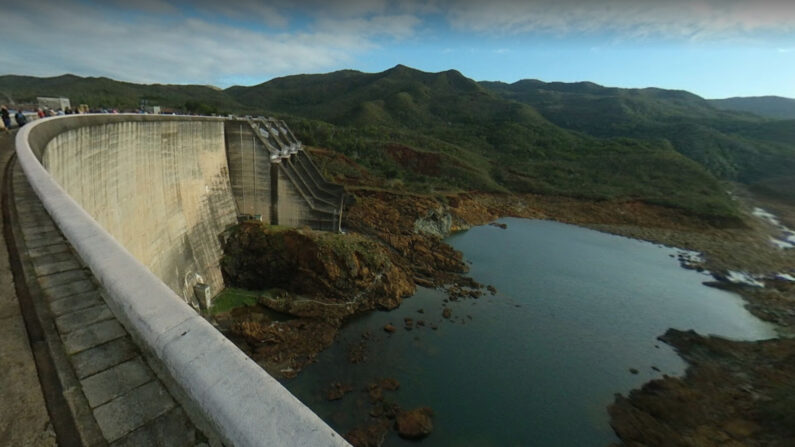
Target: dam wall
x=207 y=373
x=160 y=188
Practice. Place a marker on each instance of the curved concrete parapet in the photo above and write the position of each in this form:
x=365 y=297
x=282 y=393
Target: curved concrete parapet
x=244 y=405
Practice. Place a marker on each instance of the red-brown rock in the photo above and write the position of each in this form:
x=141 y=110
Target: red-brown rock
x=414 y=424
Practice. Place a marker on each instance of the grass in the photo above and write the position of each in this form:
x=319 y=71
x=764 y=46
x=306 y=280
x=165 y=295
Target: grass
x=233 y=297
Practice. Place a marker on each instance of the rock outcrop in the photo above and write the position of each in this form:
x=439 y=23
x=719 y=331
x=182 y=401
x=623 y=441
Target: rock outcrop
x=327 y=276
x=413 y=226
x=321 y=278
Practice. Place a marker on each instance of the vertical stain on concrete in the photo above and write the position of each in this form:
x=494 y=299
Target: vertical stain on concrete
x=160 y=188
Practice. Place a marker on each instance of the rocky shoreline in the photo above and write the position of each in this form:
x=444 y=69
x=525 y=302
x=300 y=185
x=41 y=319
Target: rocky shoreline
x=409 y=230
x=734 y=394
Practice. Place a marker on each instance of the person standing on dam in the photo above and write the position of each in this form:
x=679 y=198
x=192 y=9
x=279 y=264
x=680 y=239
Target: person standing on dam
x=20 y=117
x=6 y=117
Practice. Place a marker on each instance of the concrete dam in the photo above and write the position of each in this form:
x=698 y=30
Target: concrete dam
x=167 y=189
x=144 y=202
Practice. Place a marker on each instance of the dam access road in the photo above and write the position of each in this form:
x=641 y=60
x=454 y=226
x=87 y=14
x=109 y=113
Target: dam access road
x=121 y=356
x=23 y=414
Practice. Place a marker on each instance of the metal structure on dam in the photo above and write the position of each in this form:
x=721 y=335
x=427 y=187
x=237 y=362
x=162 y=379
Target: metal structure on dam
x=143 y=200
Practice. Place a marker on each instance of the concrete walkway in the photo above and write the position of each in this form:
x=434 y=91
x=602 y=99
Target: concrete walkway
x=23 y=415
x=112 y=394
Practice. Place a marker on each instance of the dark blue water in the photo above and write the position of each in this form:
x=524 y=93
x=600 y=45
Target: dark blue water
x=538 y=363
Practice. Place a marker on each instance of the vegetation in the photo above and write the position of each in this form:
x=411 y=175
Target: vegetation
x=730 y=145
x=487 y=140
x=768 y=106
x=231 y=298
x=438 y=132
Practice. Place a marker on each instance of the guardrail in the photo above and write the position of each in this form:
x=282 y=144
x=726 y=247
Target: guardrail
x=242 y=403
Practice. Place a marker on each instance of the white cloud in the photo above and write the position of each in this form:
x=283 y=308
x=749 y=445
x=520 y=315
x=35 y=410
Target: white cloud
x=395 y=26
x=50 y=39
x=211 y=42
x=696 y=19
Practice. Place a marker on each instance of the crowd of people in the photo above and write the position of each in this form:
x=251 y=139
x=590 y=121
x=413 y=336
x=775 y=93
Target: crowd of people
x=21 y=118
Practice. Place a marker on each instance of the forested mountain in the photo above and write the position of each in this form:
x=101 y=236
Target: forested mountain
x=431 y=132
x=767 y=106
x=731 y=145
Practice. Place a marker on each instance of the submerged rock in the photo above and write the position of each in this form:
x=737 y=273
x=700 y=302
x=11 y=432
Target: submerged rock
x=371 y=435
x=414 y=424
x=337 y=390
x=390 y=384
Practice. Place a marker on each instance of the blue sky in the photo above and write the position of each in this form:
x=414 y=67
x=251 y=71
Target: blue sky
x=714 y=48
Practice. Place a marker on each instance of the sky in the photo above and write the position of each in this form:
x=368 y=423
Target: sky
x=714 y=48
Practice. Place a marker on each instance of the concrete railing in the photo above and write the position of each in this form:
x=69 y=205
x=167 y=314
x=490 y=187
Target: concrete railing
x=242 y=403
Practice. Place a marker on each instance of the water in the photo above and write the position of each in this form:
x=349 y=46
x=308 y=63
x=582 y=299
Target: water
x=538 y=363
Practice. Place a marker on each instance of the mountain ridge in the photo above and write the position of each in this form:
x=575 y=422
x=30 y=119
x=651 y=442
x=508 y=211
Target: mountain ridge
x=581 y=139
x=776 y=107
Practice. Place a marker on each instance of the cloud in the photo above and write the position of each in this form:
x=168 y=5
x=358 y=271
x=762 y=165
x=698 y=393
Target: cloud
x=695 y=19
x=156 y=43
x=250 y=10
x=394 y=26
x=212 y=42
x=245 y=10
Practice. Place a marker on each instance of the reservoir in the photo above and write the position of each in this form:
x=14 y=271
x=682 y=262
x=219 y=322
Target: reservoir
x=575 y=320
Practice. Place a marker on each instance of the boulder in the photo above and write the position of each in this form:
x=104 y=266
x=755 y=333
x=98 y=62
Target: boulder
x=414 y=424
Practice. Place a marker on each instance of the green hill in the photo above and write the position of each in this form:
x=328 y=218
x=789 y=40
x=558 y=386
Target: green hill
x=442 y=131
x=731 y=145
x=484 y=139
x=766 y=106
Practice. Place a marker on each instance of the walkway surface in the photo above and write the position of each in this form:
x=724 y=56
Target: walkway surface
x=23 y=414
x=111 y=392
